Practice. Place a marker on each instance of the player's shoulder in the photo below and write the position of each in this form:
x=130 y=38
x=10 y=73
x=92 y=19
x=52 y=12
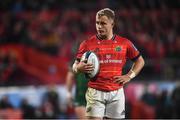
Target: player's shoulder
x=122 y=39
x=89 y=40
x=92 y=38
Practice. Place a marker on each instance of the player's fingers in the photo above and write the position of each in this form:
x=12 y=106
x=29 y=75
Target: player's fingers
x=90 y=65
x=125 y=82
x=117 y=77
x=119 y=80
x=89 y=70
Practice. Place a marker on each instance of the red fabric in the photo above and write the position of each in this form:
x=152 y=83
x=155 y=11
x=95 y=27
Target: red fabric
x=11 y=114
x=112 y=55
x=6 y=73
x=141 y=110
x=45 y=68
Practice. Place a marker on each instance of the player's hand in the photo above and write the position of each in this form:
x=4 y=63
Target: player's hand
x=85 y=67
x=122 y=79
x=69 y=100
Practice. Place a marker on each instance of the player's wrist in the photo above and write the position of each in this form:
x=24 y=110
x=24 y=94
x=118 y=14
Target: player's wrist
x=131 y=74
x=69 y=95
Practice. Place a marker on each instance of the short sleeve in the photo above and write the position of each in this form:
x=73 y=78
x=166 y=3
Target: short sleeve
x=81 y=50
x=132 y=51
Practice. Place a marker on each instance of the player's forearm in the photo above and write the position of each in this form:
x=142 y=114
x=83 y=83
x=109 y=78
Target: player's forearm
x=136 y=67
x=69 y=81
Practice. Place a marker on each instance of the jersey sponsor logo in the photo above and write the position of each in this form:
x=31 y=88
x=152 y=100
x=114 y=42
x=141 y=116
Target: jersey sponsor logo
x=118 y=48
x=110 y=61
x=108 y=56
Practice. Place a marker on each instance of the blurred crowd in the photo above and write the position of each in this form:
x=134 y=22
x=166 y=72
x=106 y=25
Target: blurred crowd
x=49 y=25
x=49 y=107
x=57 y=27
x=154 y=104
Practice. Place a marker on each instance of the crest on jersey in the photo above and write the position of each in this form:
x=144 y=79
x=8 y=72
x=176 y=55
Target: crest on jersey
x=118 y=48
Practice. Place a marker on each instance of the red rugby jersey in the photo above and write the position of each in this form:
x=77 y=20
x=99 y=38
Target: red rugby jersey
x=112 y=55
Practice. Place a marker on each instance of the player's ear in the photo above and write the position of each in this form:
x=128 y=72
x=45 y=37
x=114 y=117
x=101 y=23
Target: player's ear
x=113 y=24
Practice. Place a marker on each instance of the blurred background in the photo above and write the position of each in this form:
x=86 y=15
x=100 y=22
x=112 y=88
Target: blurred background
x=39 y=39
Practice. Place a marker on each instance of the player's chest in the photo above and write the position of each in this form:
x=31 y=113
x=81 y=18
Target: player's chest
x=109 y=50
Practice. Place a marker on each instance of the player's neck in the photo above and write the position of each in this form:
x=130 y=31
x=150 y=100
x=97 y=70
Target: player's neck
x=110 y=36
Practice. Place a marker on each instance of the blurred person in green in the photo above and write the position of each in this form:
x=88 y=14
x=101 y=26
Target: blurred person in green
x=78 y=101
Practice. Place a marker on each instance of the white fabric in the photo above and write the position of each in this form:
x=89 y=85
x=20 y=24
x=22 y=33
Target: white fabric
x=105 y=104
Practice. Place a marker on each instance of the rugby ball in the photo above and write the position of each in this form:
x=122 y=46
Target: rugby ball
x=93 y=59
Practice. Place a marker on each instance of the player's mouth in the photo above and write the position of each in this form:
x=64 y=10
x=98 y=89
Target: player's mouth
x=100 y=31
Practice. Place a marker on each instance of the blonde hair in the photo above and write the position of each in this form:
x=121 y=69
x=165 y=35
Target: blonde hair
x=106 y=12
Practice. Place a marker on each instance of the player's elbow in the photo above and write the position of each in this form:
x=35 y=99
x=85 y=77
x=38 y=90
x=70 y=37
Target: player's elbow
x=142 y=61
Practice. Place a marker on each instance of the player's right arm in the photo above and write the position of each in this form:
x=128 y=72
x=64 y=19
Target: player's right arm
x=82 y=66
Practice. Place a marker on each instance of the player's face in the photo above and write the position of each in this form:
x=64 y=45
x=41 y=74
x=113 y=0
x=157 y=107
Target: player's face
x=104 y=26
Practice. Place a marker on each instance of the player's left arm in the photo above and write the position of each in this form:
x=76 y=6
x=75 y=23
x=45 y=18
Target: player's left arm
x=138 y=64
x=135 y=69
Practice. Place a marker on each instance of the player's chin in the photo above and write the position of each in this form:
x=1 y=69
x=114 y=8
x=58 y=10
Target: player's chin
x=102 y=36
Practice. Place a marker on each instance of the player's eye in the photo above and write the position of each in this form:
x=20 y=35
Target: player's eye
x=103 y=23
x=97 y=22
x=100 y=23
